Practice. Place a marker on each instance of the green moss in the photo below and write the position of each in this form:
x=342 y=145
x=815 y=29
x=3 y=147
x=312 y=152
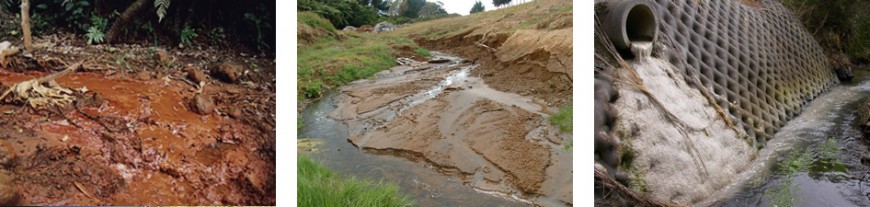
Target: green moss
x=318 y=186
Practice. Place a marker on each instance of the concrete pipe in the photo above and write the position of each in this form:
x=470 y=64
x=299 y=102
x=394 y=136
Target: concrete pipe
x=629 y=21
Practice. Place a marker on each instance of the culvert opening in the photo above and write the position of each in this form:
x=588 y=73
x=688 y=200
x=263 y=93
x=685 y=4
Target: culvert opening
x=640 y=25
x=631 y=22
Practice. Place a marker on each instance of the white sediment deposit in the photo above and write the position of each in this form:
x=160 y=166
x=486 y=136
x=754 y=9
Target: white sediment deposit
x=682 y=150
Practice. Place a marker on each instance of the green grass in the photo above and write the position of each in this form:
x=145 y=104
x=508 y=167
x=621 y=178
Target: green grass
x=318 y=186
x=328 y=63
x=314 y=20
x=423 y=52
x=564 y=119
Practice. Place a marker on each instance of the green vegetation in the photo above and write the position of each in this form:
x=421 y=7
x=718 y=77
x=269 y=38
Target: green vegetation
x=318 y=186
x=187 y=34
x=840 y=26
x=330 y=62
x=342 y=12
x=797 y=161
x=423 y=52
x=478 y=7
x=563 y=118
x=315 y=21
x=136 y=21
x=95 y=32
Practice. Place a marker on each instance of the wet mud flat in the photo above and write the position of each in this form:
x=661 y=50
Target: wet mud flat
x=128 y=141
x=435 y=113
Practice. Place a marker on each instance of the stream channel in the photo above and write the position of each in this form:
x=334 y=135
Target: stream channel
x=419 y=180
x=815 y=160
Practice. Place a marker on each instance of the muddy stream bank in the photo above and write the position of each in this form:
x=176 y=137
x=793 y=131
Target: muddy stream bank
x=444 y=136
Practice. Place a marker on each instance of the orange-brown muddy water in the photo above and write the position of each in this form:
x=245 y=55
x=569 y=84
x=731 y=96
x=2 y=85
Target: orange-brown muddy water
x=133 y=142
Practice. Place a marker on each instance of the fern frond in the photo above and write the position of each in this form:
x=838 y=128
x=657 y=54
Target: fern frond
x=161 y=6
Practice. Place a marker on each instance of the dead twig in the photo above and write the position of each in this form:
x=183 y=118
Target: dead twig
x=608 y=183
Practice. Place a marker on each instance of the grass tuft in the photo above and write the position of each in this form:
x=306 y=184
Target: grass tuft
x=318 y=186
x=422 y=52
x=563 y=118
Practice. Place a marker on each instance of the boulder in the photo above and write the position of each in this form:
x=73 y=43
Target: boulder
x=383 y=27
x=349 y=28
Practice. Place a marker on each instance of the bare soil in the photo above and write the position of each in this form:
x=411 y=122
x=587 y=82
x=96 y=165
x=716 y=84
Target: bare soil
x=133 y=135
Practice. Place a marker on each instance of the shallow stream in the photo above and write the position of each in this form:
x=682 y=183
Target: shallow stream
x=815 y=160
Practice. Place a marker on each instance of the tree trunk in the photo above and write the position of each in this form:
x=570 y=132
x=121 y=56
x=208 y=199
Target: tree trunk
x=25 y=25
x=126 y=17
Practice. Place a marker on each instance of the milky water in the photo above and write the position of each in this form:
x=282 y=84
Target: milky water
x=684 y=157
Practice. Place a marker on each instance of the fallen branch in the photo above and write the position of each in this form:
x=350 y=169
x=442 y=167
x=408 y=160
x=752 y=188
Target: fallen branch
x=45 y=78
x=608 y=183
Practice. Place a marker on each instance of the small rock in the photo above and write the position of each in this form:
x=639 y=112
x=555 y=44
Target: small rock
x=203 y=104
x=143 y=75
x=439 y=61
x=195 y=75
x=8 y=191
x=228 y=72
x=163 y=57
x=236 y=113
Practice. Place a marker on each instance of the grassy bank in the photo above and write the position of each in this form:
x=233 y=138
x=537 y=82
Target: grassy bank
x=564 y=119
x=336 y=58
x=318 y=186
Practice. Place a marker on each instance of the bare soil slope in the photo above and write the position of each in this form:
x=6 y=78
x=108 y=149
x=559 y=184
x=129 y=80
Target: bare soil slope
x=525 y=49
